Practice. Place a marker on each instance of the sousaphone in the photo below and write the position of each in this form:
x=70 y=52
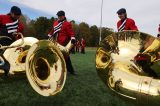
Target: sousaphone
x=16 y=56
x=46 y=68
x=42 y=61
x=128 y=63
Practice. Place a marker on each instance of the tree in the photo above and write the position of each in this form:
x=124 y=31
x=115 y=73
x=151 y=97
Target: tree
x=23 y=20
x=75 y=29
x=42 y=26
x=84 y=32
x=95 y=35
x=50 y=24
x=73 y=22
x=106 y=31
x=29 y=29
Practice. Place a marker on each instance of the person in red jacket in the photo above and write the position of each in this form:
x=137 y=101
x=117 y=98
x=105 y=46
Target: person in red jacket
x=9 y=24
x=125 y=23
x=83 y=45
x=62 y=32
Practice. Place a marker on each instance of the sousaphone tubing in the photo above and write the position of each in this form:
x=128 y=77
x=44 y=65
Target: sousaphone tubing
x=42 y=60
x=128 y=62
x=17 y=56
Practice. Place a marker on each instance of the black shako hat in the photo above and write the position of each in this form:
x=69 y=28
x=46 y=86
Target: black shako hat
x=16 y=10
x=60 y=13
x=121 y=11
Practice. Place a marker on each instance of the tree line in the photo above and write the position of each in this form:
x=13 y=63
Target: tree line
x=40 y=27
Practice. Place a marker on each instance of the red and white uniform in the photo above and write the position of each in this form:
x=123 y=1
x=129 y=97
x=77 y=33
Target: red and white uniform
x=127 y=24
x=83 y=43
x=65 y=34
x=8 y=25
x=78 y=44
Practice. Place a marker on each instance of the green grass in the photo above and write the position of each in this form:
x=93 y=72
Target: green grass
x=85 y=89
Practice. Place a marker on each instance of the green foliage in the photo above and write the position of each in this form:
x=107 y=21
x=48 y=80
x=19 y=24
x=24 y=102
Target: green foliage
x=95 y=35
x=84 y=32
x=73 y=21
x=30 y=30
x=106 y=32
x=51 y=20
x=75 y=29
x=40 y=28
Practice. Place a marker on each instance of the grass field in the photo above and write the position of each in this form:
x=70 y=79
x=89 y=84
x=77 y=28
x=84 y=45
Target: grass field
x=85 y=89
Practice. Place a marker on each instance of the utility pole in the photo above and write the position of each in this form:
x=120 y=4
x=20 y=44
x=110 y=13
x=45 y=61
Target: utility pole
x=100 y=36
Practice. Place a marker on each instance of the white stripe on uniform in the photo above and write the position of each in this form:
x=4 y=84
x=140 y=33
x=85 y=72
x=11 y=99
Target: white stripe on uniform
x=14 y=30
x=12 y=23
x=122 y=25
x=12 y=27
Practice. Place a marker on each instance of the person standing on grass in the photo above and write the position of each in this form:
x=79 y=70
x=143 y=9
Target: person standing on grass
x=83 y=45
x=77 y=45
x=73 y=50
x=9 y=24
x=125 y=23
x=62 y=32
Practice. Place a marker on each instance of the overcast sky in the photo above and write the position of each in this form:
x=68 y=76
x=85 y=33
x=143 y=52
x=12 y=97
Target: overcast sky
x=146 y=13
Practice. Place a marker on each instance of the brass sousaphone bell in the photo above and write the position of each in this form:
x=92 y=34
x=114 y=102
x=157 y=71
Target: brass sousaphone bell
x=128 y=62
x=45 y=68
x=42 y=61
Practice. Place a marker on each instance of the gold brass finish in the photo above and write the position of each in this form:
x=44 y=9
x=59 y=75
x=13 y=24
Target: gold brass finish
x=46 y=68
x=16 y=56
x=21 y=41
x=128 y=63
x=64 y=49
x=42 y=61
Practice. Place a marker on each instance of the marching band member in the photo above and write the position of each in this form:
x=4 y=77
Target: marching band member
x=8 y=25
x=62 y=32
x=77 y=45
x=125 y=23
x=83 y=45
